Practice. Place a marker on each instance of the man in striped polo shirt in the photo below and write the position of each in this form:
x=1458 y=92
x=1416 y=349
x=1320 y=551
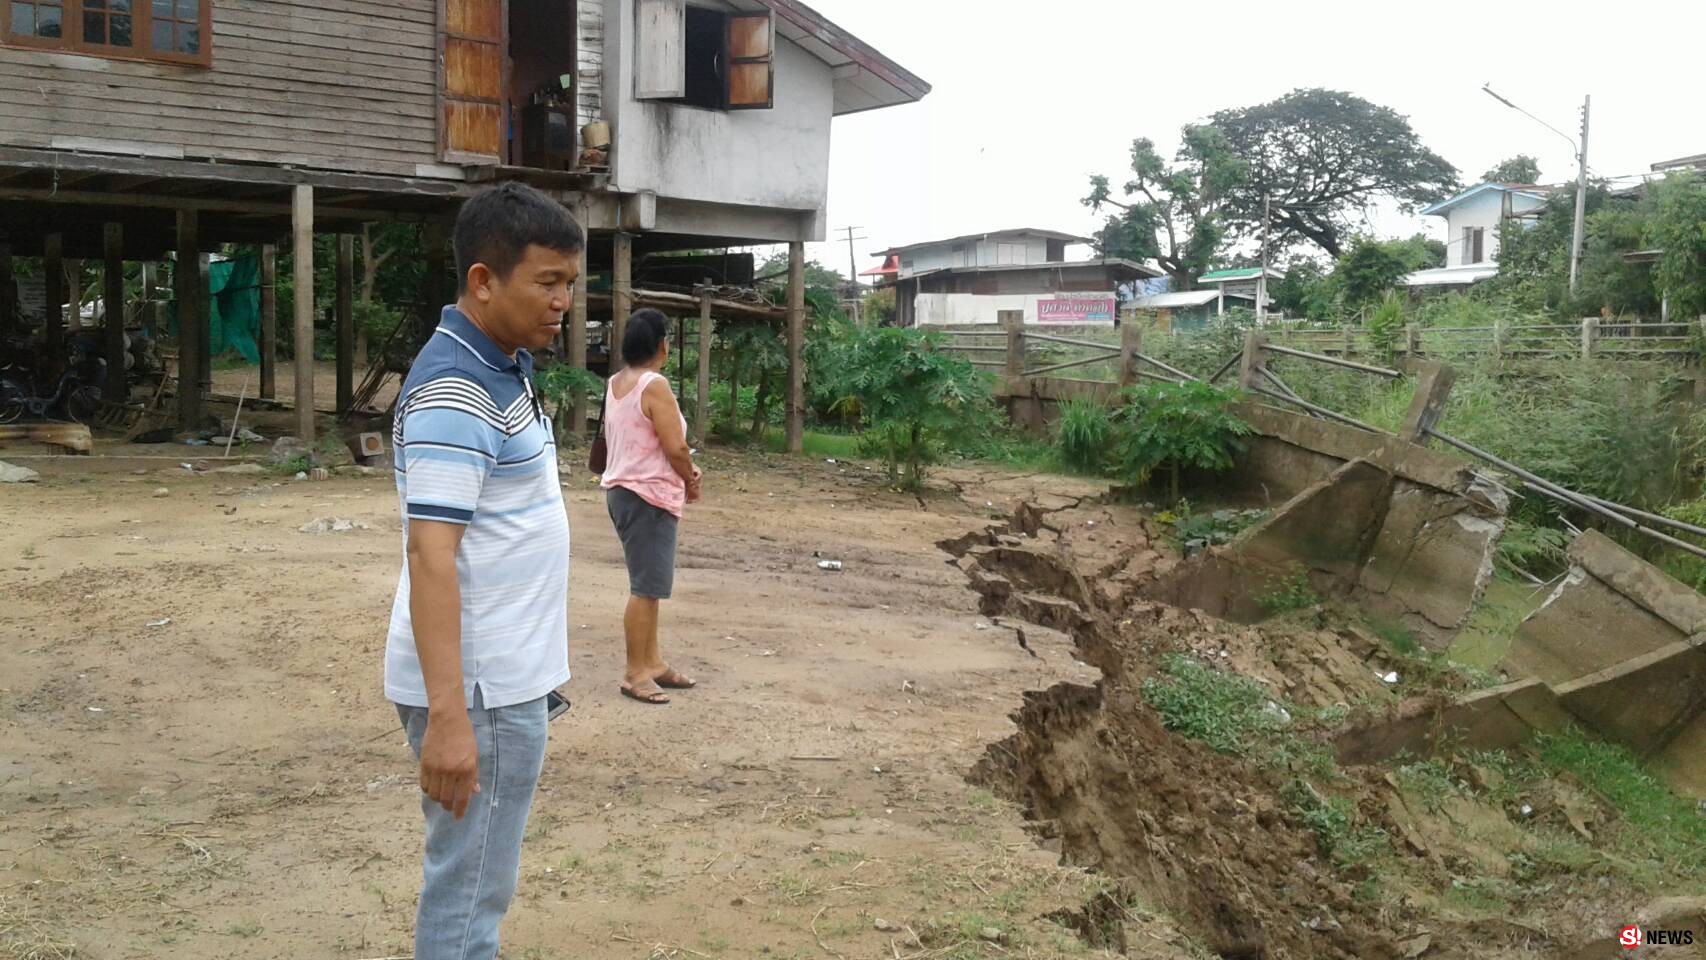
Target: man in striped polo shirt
x=479 y=629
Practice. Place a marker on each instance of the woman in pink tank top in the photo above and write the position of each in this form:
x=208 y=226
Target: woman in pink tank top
x=649 y=477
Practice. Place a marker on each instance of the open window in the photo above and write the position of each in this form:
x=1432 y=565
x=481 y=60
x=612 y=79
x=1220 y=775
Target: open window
x=704 y=57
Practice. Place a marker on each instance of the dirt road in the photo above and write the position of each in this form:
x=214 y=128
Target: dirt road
x=196 y=760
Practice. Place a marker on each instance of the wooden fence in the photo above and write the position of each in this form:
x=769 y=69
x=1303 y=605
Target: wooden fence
x=1589 y=339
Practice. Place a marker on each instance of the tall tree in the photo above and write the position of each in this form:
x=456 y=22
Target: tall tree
x=1323 y=156
x=1171 y=213
x=1521 y=168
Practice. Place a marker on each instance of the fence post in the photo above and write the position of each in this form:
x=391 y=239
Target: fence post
x=1590 y=337
x=1412 y=339
x=1433 y=386
x=1013 y=322
x=1250 y=368
x=1498 y=338
x=1131 y=344
x=1350 y=340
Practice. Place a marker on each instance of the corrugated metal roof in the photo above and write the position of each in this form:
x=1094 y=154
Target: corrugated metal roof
x=1242 y=273
x=1189 y=298
x=1526 y=189
x=1452 y=276
x=990 y=234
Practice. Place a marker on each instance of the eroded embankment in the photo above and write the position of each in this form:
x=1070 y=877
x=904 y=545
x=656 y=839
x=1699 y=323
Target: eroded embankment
x=1199 y=834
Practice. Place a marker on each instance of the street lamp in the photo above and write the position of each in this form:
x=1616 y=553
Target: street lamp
x=1581 y=174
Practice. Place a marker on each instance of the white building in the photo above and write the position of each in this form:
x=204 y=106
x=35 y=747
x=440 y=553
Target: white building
x=985 y=278
x=1472 y=220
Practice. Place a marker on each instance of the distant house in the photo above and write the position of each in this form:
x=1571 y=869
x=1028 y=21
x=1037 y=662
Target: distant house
x=1472 y=220
x=1191 y=308
x=1696 y=163
x=985 y=278
x=1238 y=285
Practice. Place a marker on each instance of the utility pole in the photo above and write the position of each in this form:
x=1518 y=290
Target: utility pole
x=1581 y=198
x=1262 y=278
x=853 y=268
x=1581 y=149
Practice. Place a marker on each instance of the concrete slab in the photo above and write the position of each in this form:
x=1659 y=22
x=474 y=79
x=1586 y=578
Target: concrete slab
x=1494 y=719
x=1329 y=526
x=1645 y=701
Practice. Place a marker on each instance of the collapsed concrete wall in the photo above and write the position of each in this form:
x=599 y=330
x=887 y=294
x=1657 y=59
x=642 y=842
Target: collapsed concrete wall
x=1410 y=533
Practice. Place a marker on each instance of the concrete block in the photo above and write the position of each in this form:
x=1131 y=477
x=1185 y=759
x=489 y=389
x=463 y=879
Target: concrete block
x=1584 y=627
x=1644 y=702
x=1494 y=719
x=1677 y=604
x=1433 y=557
x=1329 y=526
x=1682 y=762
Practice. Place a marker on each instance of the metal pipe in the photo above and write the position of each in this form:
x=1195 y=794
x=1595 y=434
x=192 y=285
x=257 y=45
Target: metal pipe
x=1572 y=497
x=1231 y=362
x=1337 y=361
x=1047 y=338
x=1649 y=531
x=1172 y=370
x=1062 y=366
x=1323 y=411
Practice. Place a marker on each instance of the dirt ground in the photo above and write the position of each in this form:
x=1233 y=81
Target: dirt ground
x=196 y=760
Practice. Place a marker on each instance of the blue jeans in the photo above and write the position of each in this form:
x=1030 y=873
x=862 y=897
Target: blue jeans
x=472 y=864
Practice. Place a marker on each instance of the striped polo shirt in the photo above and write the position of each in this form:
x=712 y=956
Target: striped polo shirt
x=473 y=447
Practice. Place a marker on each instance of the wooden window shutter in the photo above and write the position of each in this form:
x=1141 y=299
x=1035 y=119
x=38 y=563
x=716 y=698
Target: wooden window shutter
x=475 y=34
x=752 y=68
x=660 y=49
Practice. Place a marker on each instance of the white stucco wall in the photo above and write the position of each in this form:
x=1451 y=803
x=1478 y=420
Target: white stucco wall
x=1484 y=211
x=962 y=309
x=775 y=158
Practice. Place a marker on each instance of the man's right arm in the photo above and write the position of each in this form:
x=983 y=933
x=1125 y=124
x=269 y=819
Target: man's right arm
x=450 y=760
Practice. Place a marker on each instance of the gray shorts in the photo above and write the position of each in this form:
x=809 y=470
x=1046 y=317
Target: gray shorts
x=648 y=542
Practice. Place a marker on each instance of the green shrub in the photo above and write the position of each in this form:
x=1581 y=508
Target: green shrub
x=1289 y=593
x=1230 y=713
x=1176 y=426
x=1083 y=435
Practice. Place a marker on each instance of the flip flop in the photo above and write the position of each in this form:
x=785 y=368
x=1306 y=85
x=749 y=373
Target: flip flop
x=656 y=699
x=672 y=679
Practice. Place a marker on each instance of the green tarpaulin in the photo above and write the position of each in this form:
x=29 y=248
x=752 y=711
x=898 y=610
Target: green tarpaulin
x=233 y=308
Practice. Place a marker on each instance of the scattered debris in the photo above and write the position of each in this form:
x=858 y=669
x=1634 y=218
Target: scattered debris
x=991 y=935
x=163 y=621
x=286 y=449
x=833 y=566
x=162 y=492
x=15 y=474
x=909 y=687
x=1390 y=676
x=319 y=473
x=883 y=926
x=331 y=525
x=301 y=475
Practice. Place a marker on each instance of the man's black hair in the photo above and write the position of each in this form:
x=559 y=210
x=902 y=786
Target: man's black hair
x=647 y=330
x=497 y=226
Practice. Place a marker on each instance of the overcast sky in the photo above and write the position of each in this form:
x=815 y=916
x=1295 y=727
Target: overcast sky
x=1031 y=98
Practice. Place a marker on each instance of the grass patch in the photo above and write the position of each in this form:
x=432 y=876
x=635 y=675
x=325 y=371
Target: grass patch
x=1333 y=821
x=838 y=446
x=1235 y=715
x=1287 y=594
x=291 y=467
x=1428 y=782
x=1654 y=822
x=245 y=929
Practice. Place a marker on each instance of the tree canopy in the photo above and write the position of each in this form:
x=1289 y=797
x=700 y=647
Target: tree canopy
x=1171 y=213
x=1324 y=155
x=1521 y=168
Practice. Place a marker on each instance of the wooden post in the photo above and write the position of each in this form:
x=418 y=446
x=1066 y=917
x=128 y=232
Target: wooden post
x=1013 y=322
x=74 y=293
x=796 y=405
x=53 y=281
x=346 y=322
x=702 y=403
x=1250 y=367
x=1433 y=387
x=1590 y=337
x=621 y=294
x=1131 y=344
x=302 y=255
x=1350 y=341
x=186 y=289
x=112 y=302
x=204 y=323
x=577 y=339
x=1412 y=340
x=8 y=284
x=1498 y=338
x=269 y=319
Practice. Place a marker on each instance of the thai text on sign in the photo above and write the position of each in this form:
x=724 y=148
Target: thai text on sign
x=1090 y=309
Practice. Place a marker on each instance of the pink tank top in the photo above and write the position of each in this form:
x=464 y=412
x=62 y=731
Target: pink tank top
x=636 y=461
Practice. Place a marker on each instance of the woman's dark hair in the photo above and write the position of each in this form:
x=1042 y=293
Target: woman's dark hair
x=647 y=330
x=496 y=228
